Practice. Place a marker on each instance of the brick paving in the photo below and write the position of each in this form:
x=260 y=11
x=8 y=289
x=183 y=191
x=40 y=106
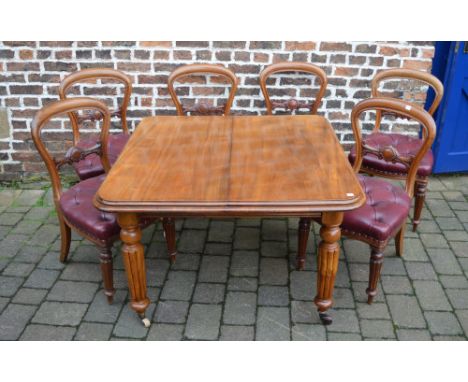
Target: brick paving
x=234 y=280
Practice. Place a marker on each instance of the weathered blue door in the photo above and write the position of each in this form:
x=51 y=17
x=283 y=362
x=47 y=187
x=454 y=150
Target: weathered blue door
x=451 y=145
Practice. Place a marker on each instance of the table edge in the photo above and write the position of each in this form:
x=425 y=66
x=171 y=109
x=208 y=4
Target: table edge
x=167 y=208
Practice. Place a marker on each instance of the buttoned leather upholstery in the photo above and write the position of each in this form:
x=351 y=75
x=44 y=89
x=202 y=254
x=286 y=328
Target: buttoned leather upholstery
x=77 y=206
x=384 y=212
x=403 y=144
x=91 y=165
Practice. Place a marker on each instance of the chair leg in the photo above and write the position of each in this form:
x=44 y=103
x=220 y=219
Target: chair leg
x=302 y=238
x=400 y=240
x=376 y=261
x=170 y=235
x=65 y=238
x=419 y=197
x=106 y=260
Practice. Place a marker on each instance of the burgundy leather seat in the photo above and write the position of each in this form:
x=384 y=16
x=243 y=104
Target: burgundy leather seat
x=403 y=144
x=77 y=207
x=386 y=208
x=91 y=165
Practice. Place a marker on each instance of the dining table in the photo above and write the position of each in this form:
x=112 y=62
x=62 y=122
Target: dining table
x=232 y=167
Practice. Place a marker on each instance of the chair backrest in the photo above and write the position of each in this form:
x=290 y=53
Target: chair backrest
x=410 y=74
x=293 y=104
x=389 y=153
x=201 y=108
x=94 y=74
x=74 y=153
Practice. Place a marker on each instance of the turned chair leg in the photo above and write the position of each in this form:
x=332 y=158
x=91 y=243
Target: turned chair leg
x=170 y=235
x=65 y=238
x=400 y=240
x=106 y=260
x=302 y=238
x=376 y=261
x=419 y=197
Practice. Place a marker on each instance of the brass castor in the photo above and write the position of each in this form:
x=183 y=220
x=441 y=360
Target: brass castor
x=146 y=322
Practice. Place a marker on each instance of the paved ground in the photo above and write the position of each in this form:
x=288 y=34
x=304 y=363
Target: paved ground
x=234 y=280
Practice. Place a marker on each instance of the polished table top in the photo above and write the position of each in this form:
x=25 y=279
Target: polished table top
x=231 y=166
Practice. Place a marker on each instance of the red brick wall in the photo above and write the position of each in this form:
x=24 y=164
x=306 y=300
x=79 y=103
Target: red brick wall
x=30 y=73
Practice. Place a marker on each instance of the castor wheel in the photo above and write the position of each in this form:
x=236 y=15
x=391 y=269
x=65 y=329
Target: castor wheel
x=146 y=322
x=325 y=318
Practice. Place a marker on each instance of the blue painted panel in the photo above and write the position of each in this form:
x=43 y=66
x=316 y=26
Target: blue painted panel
x=451 y=146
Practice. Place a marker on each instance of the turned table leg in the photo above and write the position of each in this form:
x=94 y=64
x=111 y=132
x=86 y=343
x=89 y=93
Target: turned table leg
x=134 y=261
x=328 y=254
x=302 y=238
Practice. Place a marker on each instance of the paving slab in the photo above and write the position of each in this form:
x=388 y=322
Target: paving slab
x=237 y=333
x=273 y=324
x=203 y=322
x=13 y=320
x=35 y=332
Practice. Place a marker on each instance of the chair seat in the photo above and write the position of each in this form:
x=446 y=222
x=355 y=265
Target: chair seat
x=77 y=206
x=386 y=209
x=403 y=144
x=91 y=165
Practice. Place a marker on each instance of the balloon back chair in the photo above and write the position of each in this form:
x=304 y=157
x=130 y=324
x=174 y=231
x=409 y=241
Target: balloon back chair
x=293 y=104
x=91 y=165
x=74 y=206
x=374 y=164
x=384 y=214
x=202 y=108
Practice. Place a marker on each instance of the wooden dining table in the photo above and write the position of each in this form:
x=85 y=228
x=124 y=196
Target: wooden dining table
x=232 y=166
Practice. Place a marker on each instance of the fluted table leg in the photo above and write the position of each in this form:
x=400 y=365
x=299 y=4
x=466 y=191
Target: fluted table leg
x=134 y=261
x=328 y=254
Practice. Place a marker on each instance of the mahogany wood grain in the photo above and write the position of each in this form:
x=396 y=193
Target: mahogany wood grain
x=233 y=166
